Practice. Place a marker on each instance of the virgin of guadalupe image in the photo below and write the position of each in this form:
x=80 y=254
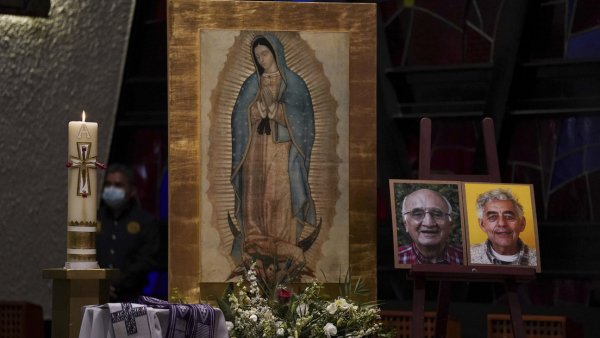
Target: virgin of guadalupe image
x=273 y=132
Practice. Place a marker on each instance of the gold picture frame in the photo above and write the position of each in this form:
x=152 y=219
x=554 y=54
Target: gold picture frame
x=475 y=236
x=186 y=18
x=451 y=192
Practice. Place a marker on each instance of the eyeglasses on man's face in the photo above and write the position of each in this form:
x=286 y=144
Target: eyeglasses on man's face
x=419 y=214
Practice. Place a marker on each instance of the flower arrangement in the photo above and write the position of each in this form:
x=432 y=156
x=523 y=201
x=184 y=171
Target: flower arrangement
x=268 y=309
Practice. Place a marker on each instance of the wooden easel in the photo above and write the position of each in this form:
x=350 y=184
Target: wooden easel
x=448 y=273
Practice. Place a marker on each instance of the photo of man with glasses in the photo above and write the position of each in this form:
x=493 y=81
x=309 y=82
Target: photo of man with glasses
x=428 y=218
x=501 y=217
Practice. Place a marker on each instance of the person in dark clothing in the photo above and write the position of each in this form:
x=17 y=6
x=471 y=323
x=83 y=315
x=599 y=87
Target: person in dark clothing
x=127 y=237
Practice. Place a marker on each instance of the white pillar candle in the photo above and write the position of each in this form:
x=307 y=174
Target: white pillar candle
x=82 y=195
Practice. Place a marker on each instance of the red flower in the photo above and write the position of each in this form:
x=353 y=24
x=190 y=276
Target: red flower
x=284 y=295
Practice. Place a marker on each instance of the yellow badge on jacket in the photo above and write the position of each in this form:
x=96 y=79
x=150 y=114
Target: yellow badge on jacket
x=133 y=227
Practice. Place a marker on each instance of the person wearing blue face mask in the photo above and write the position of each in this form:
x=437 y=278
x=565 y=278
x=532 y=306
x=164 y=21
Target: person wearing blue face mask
x=127 y=236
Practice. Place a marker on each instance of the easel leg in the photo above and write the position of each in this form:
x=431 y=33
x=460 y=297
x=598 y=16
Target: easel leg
x=442 y=311
x=418 y=315
x=516 y=317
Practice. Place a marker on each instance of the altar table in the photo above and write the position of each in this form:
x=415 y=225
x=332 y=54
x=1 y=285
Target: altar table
x=96 y=322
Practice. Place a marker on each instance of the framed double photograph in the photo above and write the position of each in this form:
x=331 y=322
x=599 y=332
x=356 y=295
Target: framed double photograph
x=458 y=223
x=428 y=222
x=501 y=225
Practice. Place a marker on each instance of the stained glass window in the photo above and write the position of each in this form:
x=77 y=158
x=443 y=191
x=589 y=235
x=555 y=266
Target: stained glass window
x=432 y=32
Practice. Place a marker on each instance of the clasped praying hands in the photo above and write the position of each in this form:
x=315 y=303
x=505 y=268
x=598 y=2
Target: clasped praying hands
x=266 y=105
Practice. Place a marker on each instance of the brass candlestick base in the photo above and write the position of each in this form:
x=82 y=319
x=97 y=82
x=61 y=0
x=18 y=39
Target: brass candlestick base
x=71 y=290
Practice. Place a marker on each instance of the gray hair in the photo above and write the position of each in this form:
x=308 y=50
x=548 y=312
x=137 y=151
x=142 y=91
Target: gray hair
x=435 y=192
x=498 y=195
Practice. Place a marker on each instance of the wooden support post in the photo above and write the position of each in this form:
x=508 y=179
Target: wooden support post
x=418 y=315
x=441 y=319
x=516 y=316
x=73 y=289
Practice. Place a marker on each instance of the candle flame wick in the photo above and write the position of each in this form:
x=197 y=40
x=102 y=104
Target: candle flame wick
x=83 y=116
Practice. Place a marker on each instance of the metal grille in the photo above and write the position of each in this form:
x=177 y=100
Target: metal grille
x=499 y=326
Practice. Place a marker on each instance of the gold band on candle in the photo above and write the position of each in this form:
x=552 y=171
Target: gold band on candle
x=82 y=224
x=81 y=258
x=81 y=240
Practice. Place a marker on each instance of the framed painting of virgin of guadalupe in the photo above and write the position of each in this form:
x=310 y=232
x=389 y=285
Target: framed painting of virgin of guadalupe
x=272 y=142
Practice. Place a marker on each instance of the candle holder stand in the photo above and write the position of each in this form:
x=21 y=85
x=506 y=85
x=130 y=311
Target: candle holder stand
x=71 y=290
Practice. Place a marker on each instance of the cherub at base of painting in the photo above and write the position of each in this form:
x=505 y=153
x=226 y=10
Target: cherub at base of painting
x=270 y=252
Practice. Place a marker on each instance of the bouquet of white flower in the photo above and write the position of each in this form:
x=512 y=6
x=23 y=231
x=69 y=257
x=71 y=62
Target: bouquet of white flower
x=268 y=309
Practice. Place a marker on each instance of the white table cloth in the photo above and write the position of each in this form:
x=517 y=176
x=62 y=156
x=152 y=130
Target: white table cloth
x=96 y=323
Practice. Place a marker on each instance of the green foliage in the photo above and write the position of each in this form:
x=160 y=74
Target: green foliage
x=450 y=191
x=225 y=304
x=282 y=275
x=346 y=290
x=306 y=314
x=179 y=298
